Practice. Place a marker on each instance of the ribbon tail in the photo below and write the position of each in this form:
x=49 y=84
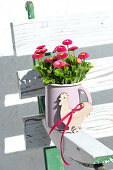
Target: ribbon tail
x=62 y=139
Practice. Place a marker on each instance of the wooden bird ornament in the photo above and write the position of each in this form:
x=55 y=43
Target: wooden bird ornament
x=78 y=116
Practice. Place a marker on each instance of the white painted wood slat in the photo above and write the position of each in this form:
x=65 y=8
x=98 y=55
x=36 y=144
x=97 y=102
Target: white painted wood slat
x=85 y=30
x=100 y=122
x=101 y=76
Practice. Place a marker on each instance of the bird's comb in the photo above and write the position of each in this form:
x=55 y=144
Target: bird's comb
x=63 y=96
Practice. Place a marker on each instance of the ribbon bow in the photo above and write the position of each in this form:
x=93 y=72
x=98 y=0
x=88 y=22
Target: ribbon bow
x=61 y=120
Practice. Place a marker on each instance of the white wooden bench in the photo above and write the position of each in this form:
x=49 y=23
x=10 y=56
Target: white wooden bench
x=93 y=34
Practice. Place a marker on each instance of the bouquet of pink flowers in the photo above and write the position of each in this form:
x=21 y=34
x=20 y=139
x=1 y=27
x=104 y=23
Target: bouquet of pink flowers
x=63 y=67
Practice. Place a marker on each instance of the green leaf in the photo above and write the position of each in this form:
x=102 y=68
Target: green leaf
x=89 y=63
x=73 y=68
x=58 y=72
x=36 y=68
x=46 y=81
x=91 y=67
x=77 y=73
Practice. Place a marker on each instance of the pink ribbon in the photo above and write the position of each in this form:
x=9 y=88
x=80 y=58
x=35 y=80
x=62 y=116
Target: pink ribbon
x=61 y=120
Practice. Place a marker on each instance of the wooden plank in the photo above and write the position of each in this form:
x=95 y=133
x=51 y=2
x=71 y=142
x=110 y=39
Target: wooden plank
x=41 y=104
x=53 y=159
x=101 y=76
x=100 y=122
x=82 y=147
x=13 y=38
x=28 y=80
x=35 y=133
x=85 y=30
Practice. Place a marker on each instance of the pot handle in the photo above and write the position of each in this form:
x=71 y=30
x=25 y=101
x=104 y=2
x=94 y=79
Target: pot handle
x=87 y=93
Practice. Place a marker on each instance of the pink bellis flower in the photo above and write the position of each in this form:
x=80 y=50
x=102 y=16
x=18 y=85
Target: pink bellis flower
x=47 y=60
x=44 y=50
x=67 y=42
x=41 y=51
x=58 y=63
x=83 y=55
x=78 y=60
x=55 y=50
x=61 y=48
x=73 y=48
x=51 y=59
x=65 y=64
x=37 y=56
x=40 y=47
x=62 y=55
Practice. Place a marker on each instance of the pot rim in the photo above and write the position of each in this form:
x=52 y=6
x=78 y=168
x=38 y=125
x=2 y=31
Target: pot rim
x=64 y=85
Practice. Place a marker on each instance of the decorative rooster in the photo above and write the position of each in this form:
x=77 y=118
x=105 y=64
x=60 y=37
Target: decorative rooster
x=78 y=116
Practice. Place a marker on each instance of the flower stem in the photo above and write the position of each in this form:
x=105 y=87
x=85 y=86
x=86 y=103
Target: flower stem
x=64 y=66
x=67 y=47
x=41 y=61
x=44 y=56
x=68 y=51
x=74 y=52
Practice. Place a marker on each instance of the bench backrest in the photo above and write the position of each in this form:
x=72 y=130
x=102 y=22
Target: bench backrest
x=85 y=30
